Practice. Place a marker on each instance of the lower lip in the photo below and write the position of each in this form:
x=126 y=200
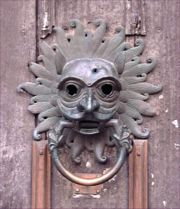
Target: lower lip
x=89 y=131
x=88 y=127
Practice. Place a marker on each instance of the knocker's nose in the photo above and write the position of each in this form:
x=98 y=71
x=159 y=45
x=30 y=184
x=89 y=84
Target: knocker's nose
x=88 y=103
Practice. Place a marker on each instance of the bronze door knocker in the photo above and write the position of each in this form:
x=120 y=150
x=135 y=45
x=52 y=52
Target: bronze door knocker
x=87 y=87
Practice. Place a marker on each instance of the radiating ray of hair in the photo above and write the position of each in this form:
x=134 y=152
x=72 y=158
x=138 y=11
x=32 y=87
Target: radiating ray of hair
x=79 y=29
x=135 y=51
x=133 y=113
x=133 y=126
x=62 y=40
x=120 y=62
x=54 y=111
x=77 y=40
x=44 y=82
x=145 y=87
x=101 y=49
x=48 y=63
x=131 y=63
x=139 y=69
x=44 y=126
x=135 y=79
x=43 y=98
x=114 y=42
x=121 y=49
x=126 y=95
x=143 y=107
x=41 y=72
x=34 y=88
x=47 y=51
x=39 y=107
x=101 y=28
x=60 y=59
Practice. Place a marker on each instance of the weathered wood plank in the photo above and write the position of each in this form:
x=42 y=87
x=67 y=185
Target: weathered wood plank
x=163 y=42
x=18 y=46
x=135 y=17
x=41 y=158
x=138 y=176
x=41 y=175
x=88 y=10
x=46 y=17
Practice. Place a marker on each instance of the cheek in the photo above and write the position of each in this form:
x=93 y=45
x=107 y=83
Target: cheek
x=108 y=102
x=68 y=103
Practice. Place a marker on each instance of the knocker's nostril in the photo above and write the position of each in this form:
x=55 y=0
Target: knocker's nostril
x=81 y=105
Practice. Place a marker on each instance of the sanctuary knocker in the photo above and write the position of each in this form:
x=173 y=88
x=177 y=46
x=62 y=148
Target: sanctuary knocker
x=92 y=89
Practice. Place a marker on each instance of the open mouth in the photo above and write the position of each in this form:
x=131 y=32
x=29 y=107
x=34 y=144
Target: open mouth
x=89 y=127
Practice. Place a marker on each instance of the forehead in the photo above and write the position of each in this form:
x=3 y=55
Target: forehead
x=89 y=70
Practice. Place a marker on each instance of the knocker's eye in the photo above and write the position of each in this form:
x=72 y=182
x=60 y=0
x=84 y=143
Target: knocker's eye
x=72 y=89
x=107 y=89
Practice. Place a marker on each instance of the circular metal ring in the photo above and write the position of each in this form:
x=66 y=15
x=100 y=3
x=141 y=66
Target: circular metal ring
x=90 y=182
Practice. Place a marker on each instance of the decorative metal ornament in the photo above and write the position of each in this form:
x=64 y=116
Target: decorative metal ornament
x=93 y=91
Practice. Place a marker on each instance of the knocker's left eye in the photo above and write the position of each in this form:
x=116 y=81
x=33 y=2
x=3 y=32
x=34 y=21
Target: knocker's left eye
x=107 y=89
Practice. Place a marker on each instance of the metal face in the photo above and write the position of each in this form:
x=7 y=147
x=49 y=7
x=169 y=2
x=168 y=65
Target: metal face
x=92 y=91
x=89 y=94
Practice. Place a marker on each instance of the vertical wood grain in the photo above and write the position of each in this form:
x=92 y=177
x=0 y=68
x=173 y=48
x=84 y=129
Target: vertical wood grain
x=41 y=175
x=138 y=159
x=46 y=17
x=135 y=17
x=138 y=176
x=17 y=47
x=163 y=42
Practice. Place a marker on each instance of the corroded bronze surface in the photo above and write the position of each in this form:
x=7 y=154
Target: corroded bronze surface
x=90 y=93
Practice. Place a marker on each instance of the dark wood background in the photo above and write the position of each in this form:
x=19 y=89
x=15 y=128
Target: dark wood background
x=20 y=30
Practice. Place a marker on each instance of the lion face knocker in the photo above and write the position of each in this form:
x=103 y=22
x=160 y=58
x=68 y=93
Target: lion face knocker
x=92 y=90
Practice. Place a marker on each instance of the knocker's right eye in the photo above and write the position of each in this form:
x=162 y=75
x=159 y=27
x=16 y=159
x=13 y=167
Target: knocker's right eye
x=72 y=89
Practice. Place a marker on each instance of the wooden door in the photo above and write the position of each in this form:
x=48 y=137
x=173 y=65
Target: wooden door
x=23 y=23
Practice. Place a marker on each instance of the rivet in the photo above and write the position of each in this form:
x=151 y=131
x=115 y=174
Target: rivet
x=97 y=191
x=76 y=190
